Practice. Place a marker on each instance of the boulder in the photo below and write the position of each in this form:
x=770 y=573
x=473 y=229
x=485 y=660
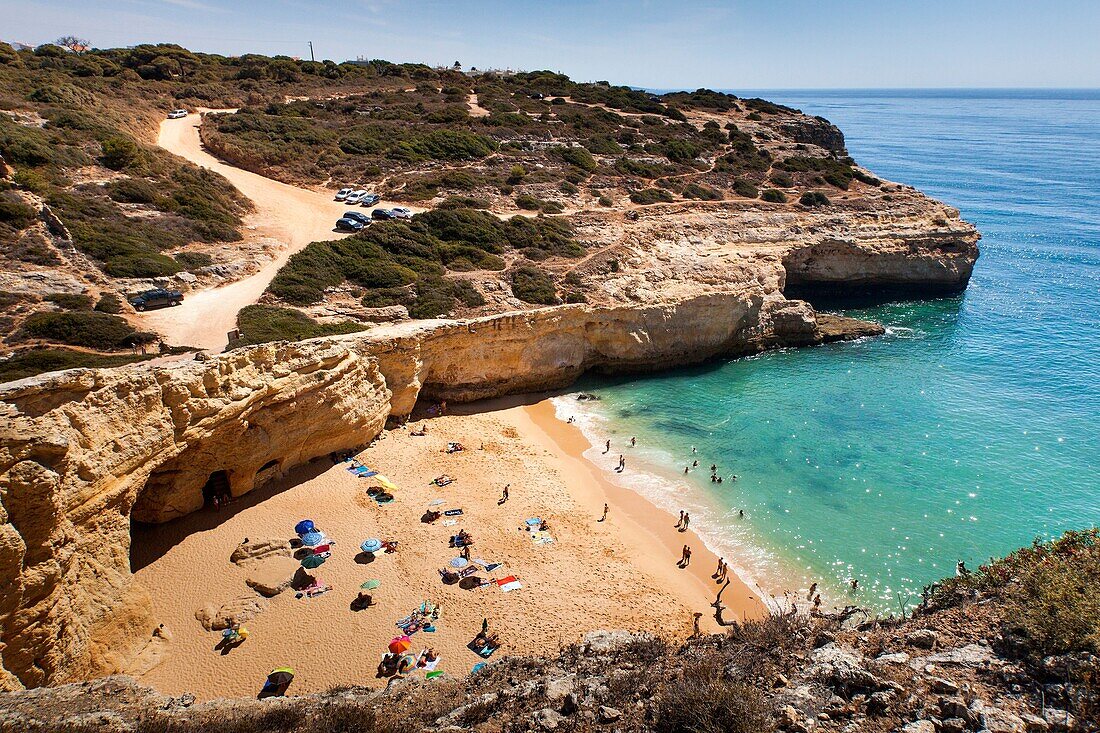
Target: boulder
x=996 y=720
x=272 y=575
x=971 y=655
x=896 y=658
x=922 y=638
x=841 y=669
x=251 y=551
x=607 y=714
x=603 y=642
x=1059 y=720
x=919 y=726
x=548 y=719
x=240 y=609
x=943 y=686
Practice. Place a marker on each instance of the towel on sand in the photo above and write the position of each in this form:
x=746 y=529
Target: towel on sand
x=509 y=584
x=541 y=538
x=453 y=512
x=533 y=522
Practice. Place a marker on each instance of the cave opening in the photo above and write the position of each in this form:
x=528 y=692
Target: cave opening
x=216 y=489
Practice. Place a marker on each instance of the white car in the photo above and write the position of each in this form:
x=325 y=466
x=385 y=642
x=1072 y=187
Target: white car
x=356 y=196
x=400 y=212
x=177 y=114
x=343 y=193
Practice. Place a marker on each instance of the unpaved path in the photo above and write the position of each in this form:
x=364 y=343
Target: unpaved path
x=288 y=214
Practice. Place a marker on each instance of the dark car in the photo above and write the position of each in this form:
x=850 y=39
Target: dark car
x=370 y=199
x=349 y=225
x=381 y=214
x=359 y=216
x=158 y=298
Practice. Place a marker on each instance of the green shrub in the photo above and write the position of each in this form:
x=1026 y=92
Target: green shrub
x=814 y=198
x=568 y=188
x=741 y=187
x=528 y=202
x=193 y=260
x=132 y=191
x=834 y=172
x=260 y=324
x=651 y=196
x=532 y=285
x=578 y=157
x=30 y=362
x=444 y=145
x=120 y=152
x=14 y=212
x=603 y=145
x=701 y=192
x=774 y=196
x=92 y=329
x=109 y=303
x=605 y=200
x=781 y=179
x=71 y=301
x=517 y=174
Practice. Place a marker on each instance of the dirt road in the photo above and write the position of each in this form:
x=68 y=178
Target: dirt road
x=290 y=215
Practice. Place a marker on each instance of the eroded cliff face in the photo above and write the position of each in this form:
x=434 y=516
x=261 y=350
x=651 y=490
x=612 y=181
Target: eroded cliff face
x=84 y=452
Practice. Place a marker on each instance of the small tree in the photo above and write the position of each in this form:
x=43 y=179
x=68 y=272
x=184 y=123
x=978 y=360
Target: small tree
x=74 y=44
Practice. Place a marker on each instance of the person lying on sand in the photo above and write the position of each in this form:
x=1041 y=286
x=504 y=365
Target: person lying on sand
x=363 y=600
x=389 y=546
x=422 y=430
x=388 y=666
x=427 y=657
x=430 y=516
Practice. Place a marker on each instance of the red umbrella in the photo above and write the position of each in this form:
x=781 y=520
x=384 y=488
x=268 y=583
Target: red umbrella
x=400 y=644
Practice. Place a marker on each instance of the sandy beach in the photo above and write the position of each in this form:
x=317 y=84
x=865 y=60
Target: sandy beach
x=616 y=574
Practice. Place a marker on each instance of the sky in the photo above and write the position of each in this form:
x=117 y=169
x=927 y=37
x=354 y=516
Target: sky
x=731 y=44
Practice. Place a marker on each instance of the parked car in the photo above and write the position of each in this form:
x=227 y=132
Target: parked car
x=158 y=298
x=400 y=212
x=343 y=193
x=177 y=114
x=370 y=199
x=355 y=196
x=349 y=225
x=359 y=216
x=382 y=214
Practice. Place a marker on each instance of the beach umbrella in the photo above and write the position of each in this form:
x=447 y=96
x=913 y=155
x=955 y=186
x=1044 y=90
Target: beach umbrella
x=459 y=562
x=371 y=584
x=310 y=539
x=312 y=561
x=277 y=681
x=371 y=545
x=400 y=644
x=437 y=502
x=304 y=526
x=406 y=664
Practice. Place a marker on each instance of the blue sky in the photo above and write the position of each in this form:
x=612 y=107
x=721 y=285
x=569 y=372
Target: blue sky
x=735 y=44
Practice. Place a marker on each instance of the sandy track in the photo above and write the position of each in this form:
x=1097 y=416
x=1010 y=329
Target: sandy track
x=290 y=215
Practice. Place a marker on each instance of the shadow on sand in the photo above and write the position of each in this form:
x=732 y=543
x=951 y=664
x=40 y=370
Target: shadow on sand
x=150 y=542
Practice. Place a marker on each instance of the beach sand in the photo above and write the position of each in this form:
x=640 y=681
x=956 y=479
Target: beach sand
x=616 y=574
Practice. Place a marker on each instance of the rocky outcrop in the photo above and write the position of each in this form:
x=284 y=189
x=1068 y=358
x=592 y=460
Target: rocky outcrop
x=84 y=452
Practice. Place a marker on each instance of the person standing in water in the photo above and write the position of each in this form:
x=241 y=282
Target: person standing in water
x=607 y=446
x=633 y=441
x=680 y=521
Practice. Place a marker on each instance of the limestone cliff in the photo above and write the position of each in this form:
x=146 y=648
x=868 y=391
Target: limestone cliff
x=84 y=451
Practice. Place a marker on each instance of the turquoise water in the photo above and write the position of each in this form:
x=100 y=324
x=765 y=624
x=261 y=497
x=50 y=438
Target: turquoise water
x=972 y=427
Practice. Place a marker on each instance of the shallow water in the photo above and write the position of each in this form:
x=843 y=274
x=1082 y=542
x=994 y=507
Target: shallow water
x=972 y=427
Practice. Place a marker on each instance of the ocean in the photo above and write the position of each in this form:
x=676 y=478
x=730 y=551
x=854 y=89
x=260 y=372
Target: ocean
x=970 y=429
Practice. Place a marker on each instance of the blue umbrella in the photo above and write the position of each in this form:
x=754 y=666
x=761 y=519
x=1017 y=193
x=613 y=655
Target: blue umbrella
x=304 y=527
x=309 y=539
x=371 y=545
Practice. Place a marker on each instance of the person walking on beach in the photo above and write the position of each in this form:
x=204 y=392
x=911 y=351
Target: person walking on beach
x=605 y=510
x=685 y=557
x=607 y=446
x=622 y=464
x=719 y=570
x=687 y=521
x=680 y=521
x=504 y=494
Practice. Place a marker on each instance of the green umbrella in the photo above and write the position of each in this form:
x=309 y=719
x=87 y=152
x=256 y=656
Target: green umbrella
x=312 y=561
x=371 y=584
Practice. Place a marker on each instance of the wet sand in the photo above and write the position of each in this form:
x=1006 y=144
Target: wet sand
x=617 y=574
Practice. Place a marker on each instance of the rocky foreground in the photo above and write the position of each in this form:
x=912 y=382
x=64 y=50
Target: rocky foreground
x=967 y=660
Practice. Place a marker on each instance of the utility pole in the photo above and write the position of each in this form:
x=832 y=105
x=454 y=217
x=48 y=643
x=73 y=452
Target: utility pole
x=311 y=57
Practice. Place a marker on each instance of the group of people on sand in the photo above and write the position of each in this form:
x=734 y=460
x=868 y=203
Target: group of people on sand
x=219 y=500
x=722 y=572
x=398 y=664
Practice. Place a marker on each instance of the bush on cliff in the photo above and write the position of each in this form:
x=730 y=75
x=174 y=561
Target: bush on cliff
x=92 y=329
x=260 y=324
x=651 y=196
x=30 y=362
x=774 y=196
x=813 y=199
x=532 y=285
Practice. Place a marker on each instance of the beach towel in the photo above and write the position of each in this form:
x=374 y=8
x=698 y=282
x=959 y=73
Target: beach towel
x=541 y=538
x=389 y=485
x=433 y=675
x=533 y=522
x=509 y=584
x=364 y=472
x=443 y=480
x=467 y=571
x=453 y=513
x=477 y=667
x=450 y=522
x=430 y=666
